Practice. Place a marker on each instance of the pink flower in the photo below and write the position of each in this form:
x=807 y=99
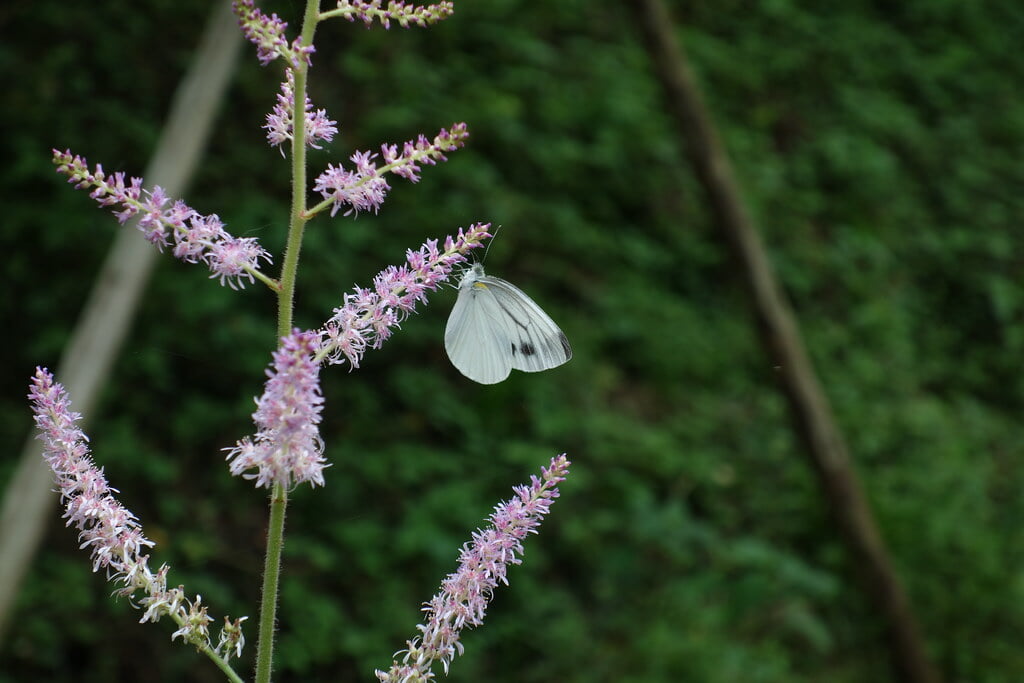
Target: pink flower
x=112 y=533
x=267 y=33
x=403 y=13
x=287 y=444
x=483 y=564
x=368 y=316
x=352 y=188
x=364 y=187
x=195 y=237
x=280 y=124
x=231 y=259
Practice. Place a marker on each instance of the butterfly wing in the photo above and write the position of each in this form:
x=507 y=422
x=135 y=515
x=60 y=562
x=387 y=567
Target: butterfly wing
x=534 y=340
x=476 y=336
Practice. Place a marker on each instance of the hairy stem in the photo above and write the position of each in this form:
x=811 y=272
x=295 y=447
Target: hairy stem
x=285 y=302
x=271 y=576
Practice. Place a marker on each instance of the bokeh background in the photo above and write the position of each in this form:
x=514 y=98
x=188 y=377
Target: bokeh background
x=879 y=146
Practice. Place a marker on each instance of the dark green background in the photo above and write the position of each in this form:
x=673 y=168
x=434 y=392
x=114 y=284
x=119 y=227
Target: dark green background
x=880 y=147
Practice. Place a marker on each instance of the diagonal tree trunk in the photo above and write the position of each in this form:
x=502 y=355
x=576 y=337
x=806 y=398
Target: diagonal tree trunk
x=781 y=336
x=97 y=337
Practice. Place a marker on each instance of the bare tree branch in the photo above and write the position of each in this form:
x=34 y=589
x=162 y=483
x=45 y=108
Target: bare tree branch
x=781 y=336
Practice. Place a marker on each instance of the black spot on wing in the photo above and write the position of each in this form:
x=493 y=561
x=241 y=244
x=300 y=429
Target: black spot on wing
x=525 y=349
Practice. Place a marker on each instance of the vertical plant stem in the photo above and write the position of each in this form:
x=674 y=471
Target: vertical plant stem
x=297 y=222
x=285 y=303
x=271 y=575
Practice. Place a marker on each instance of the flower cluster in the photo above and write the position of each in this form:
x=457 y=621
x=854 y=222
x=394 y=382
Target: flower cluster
x=110 y=531
x=367 y=317
x=280 y=124
x=195 y=238
x=364 y=188
x=401 y=12
x=287 y=446
x=267 y=33
x=231 y=639
x=483 y=565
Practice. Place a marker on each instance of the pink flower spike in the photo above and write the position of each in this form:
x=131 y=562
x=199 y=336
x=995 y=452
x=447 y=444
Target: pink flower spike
x=404 y=13
x=195 y=237
x=365 y=188
x=367 y=317
x=112 y=533
x=287 y=444
x=483 y=564
x=280 y=125
x=267 y=33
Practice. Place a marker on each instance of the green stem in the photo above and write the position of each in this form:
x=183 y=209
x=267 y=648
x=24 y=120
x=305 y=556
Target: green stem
x=297 y=224
x=222 y=665
x=270 y=282
x=271 y=576
x=285 y=302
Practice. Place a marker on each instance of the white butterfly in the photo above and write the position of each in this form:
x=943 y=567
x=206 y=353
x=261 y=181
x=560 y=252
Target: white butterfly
x=495 y=327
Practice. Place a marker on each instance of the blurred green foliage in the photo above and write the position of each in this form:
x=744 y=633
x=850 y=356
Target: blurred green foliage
x=879 y=145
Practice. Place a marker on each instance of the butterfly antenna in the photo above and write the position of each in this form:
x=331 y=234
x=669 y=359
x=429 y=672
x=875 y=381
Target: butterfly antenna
x=488 y=247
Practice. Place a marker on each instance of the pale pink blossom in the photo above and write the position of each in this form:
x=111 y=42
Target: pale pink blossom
x=280 y=125
x=193 y=237
x=111 y=532
x=483 y=566
x=287 y=447
x=267 y=33
x=363 y=187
